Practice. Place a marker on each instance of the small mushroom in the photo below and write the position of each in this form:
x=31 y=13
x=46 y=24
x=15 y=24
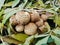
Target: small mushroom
x=49 y=14
x=43 y=29
x=35 y=16
x=22 y=17
x=19 y=28
x=30 y=29
x=39 y=23
x=46 y=23
x=44 y=17
x=13 y=20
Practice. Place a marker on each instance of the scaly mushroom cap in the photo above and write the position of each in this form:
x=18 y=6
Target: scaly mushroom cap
x=39 y=23
x=22 y=17
x=30 y=29
x=19 y=28
x=34 y=16
x=44 y=17
x=13 y=20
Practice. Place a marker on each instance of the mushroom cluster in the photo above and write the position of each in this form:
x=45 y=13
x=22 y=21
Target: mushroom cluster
x=29 y=22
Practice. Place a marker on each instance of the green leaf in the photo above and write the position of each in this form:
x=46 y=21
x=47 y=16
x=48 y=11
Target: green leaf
x=38 y=4
x=1 y=28
x=42 y=35
x=50 y=40
x=1 y=3
x=42 y=41
x=22 y=5
x=28 y=5
x=12 y=29
x=2 y=11
x=8 y=4
x=50 y=10
x=56 y=8
x=44 y=44
x=19 y=44
x=9 y=10
x=47 y=2
x=15 y=2
x=28 y=40
x=25 y=1
x=20 y=37
x=4 y=43
x=10 y=40
x=57 y=20
x=41 y=3
x=48 y=27
x=57 y=32
x=56 y=39
x=9 y=29
x=9 y=14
